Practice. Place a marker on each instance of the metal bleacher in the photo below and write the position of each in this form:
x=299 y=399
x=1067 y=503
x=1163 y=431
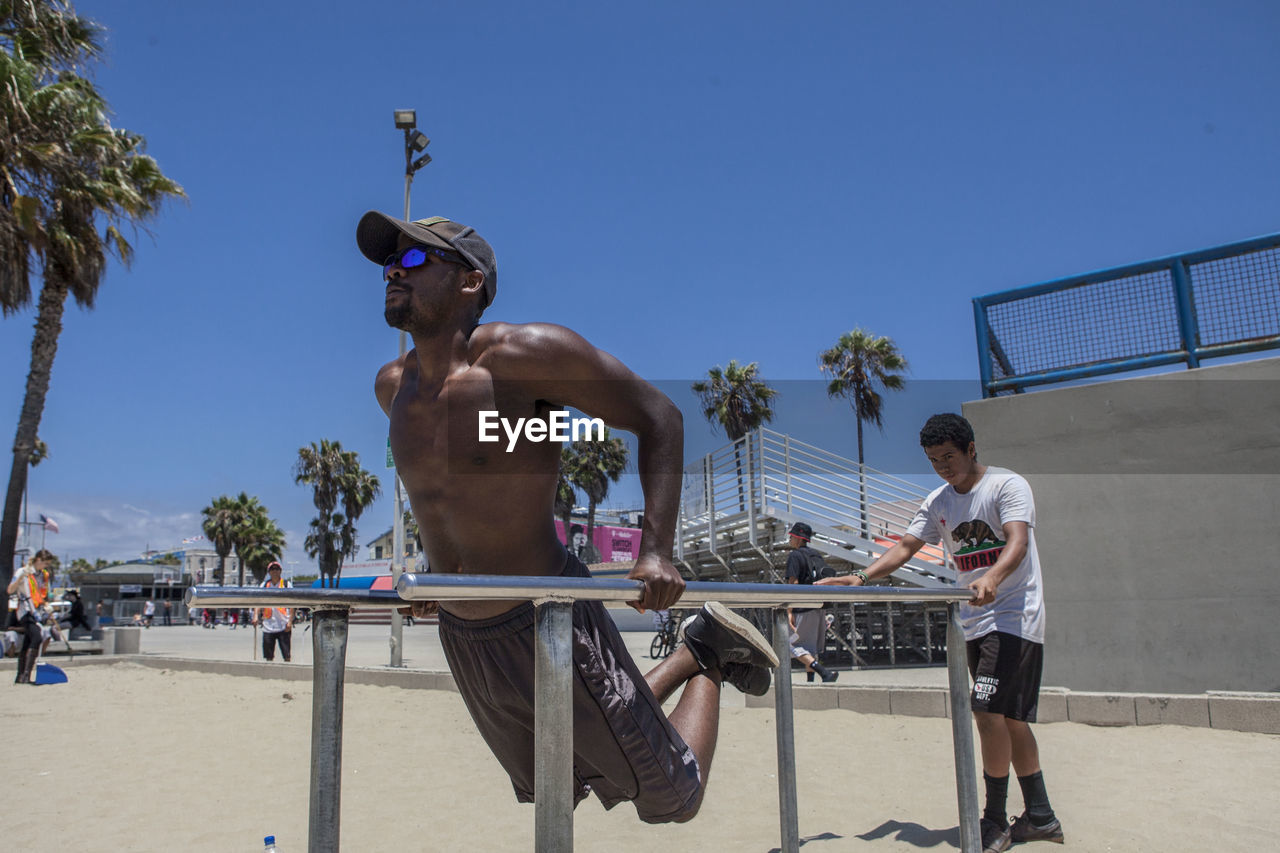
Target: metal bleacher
x=739 y=501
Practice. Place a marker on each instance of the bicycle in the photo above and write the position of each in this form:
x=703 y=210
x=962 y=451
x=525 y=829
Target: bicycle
x=665 y=640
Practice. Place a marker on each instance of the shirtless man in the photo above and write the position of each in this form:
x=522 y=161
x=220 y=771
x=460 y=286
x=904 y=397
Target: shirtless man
x=485 y=507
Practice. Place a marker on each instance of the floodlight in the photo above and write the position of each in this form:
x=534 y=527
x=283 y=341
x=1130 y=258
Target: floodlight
x=420 y=162
x=418 y=140
x=406 y=119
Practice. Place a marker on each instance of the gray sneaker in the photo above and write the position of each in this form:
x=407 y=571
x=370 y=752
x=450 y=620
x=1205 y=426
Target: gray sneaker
x=1024 y=829
x=752 y=680
x=717 y=636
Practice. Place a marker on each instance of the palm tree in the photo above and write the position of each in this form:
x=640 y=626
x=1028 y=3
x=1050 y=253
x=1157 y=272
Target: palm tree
x=220 y=521
x=595 y=465
x=63 y=172
x=565 y=494
x=260 y=542
x=337 y=481
x=858 y=364
x=738 y=400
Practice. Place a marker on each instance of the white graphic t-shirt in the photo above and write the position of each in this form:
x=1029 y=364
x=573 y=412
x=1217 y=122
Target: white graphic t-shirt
x=972 y=524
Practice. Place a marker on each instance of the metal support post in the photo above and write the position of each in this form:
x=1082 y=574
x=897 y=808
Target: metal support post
x=553 y=727
x=962 y=732
x=329 y=659
x=788 y=812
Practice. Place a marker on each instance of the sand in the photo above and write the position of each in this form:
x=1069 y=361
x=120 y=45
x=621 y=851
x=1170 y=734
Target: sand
x=130 y=757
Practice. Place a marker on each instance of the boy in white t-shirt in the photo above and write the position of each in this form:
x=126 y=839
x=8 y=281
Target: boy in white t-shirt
x=985 y=518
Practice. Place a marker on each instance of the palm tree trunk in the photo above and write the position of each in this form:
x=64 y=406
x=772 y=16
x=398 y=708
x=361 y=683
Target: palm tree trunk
x=44 y=346
x=862 y=485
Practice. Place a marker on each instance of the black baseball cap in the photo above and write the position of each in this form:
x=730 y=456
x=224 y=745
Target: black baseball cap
x=802 y=530
x=377 y=233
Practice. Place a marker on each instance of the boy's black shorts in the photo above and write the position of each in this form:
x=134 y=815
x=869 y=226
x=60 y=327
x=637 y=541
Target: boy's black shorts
x=1006 y=675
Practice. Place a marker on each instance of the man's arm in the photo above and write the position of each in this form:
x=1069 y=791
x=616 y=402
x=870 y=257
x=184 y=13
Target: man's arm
x=1015 y=548
x=886 y=564
x=558 y=365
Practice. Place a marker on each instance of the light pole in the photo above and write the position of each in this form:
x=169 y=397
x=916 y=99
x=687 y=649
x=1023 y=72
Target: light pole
x=415 y=141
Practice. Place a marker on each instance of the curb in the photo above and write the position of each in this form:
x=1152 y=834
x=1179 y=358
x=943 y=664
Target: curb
x=1215 y=709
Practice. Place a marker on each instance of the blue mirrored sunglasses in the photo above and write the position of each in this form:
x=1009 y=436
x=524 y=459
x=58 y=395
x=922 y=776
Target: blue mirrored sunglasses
x=416 y=256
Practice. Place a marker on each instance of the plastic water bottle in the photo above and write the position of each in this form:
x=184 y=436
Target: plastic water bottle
x=269 y=844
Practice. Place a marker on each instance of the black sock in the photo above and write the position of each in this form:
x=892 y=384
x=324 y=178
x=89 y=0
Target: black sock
x=1036 y=799
x=997 y=791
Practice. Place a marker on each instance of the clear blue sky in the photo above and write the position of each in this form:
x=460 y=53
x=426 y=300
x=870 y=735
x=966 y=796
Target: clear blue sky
x=682 y=183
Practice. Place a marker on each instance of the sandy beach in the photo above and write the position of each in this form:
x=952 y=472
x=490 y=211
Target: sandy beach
x=133 y=757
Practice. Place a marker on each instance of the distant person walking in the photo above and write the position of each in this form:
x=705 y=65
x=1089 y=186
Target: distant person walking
x=277 y=622
x=168 y=612
x=76 y=617
x=808 y=626
x=148 y=613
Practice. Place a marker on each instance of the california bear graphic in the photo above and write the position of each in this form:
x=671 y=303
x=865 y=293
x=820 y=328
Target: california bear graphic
x=974 y=533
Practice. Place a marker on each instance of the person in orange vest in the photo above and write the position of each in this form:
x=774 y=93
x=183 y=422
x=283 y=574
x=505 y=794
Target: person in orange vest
x=31 y=584
x=277 y=622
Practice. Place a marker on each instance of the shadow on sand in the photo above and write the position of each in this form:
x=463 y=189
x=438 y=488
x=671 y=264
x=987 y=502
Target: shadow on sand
x=823 y=836
x=914 y=834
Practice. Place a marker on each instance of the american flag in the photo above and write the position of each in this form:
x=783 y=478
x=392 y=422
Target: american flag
x=191 y=539
x=49 y=523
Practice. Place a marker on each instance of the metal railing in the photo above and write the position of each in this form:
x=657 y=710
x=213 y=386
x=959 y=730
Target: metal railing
x=553 y=720
x=857 y=511
x=1181 y=309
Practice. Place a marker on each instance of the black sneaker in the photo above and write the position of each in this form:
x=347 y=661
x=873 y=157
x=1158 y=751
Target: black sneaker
x=996 y=838
x=1024 y=829
x=752 y=680
x=717 y=636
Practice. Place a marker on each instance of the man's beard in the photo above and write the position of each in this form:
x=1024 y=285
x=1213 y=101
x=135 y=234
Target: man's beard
x=397 y=316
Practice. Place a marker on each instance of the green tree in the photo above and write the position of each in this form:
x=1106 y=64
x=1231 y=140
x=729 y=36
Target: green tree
x=566 y=497
x=736 y=398
x=259 y=541
x=337 y=482
x=65 y=172
x=595 y=465
x=858 y=364
x=220 y=519
x=739 y=401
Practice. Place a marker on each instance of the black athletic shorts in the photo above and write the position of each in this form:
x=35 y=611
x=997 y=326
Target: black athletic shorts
x=1006 y=675
x=623 y=746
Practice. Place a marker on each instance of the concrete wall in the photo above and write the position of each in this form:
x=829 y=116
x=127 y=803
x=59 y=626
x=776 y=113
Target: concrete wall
x=1158 y=507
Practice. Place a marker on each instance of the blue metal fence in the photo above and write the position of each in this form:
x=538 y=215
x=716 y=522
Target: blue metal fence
x=1180 y=309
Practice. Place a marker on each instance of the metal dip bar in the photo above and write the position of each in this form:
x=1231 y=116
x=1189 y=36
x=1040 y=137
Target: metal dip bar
x=553 y=666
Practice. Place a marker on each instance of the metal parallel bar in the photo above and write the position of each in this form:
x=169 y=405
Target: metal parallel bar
x=553 y=727
x=1187 y=327
x=962 y=733
x=784 y=713
x=430 y=587
x=246 y=596
x=328 y=675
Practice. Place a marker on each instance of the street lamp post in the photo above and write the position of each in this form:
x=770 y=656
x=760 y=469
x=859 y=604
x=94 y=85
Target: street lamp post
x=415 y=141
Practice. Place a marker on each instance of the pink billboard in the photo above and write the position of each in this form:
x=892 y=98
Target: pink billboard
x=607 y=545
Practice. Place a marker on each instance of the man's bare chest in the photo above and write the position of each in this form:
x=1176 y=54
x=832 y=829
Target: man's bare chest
x=448 y=433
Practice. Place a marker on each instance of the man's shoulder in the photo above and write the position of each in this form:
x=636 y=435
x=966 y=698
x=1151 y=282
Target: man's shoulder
x=497 y=345
x=997 y=478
